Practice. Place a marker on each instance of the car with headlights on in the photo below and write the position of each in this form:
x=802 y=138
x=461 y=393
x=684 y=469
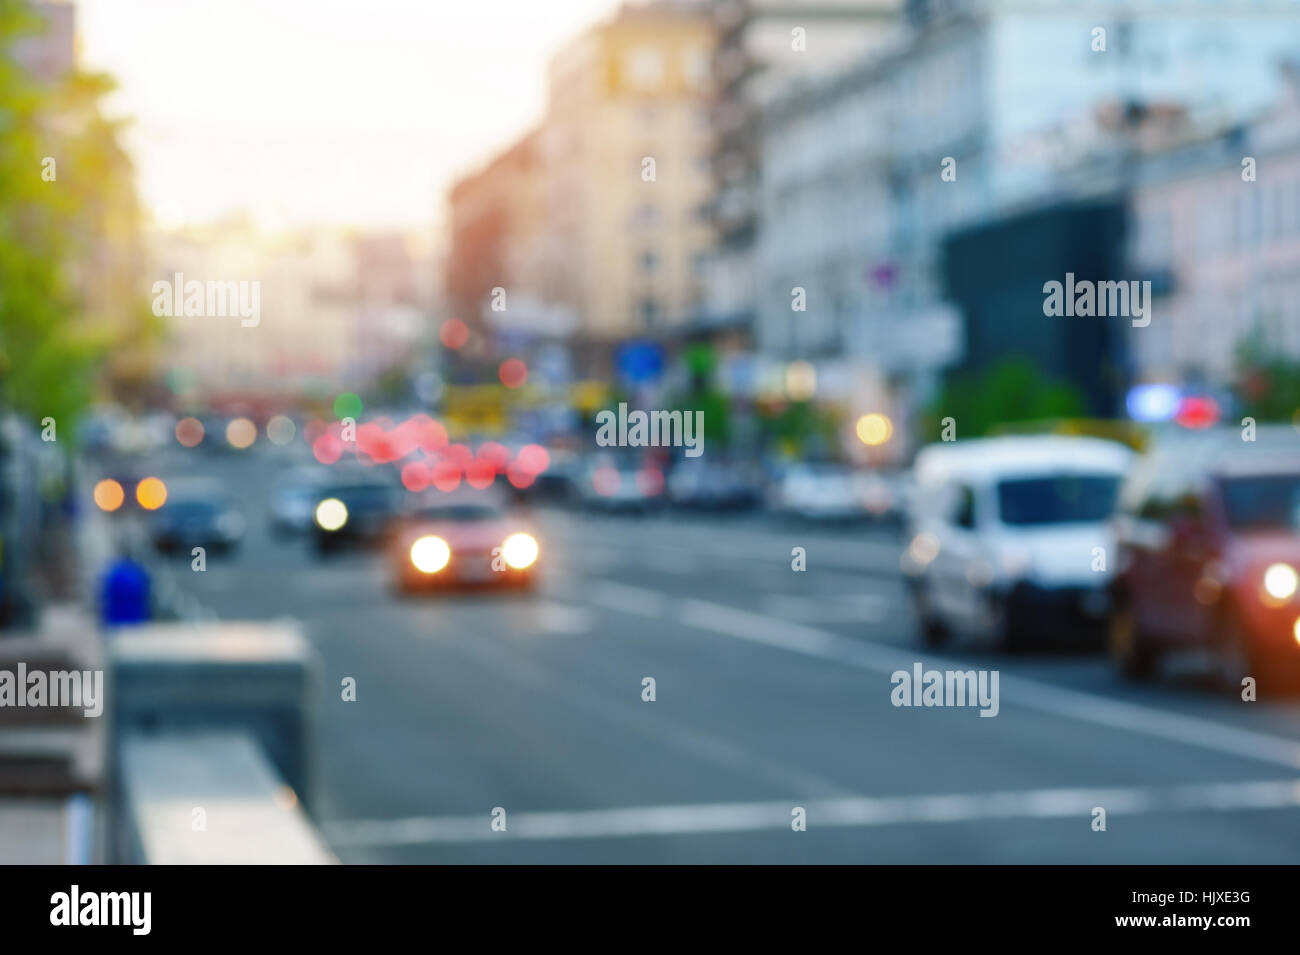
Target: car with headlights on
x=352 y=512
x=1208 y=534
x=453 y=540
x=1009 y=538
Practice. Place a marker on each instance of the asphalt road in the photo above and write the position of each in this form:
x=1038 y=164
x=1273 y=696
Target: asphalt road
x=772 y=692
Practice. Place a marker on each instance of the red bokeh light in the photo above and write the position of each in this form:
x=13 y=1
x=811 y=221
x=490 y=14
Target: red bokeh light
x=480 y=474
x=454 y=333
x=494 y=454
x=433 y=436
x=327 y=448
x=446 y=476
x=405 y=438
x=415 y=476
x=513 y=373
x=1197 y=412
x=533 y=458
x=459 y=455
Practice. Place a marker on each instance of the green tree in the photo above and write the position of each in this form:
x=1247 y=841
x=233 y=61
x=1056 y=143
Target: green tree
x=1268 y=382
x=71 y=277
x=1013 y=390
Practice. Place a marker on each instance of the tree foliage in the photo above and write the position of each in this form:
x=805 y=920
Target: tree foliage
x=1010 y=391
x=71 y=288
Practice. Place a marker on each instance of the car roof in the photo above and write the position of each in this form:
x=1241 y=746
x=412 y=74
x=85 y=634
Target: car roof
x=988 y=458
x=461 y=497
x=1222 y=452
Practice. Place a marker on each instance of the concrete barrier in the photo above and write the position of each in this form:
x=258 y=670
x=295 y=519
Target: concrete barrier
x=211 y=744
x=210 y=799
x=257 y=678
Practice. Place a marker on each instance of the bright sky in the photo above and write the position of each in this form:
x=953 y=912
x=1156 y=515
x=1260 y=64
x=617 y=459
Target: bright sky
x=321 y=111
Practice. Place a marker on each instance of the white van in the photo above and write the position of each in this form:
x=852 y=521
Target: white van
x=1009 y=538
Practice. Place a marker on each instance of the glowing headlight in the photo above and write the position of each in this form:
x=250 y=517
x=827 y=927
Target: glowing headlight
x=331 y=514
x=924 y=548
x=1280 y=581
x=519 y=550
x=430 y=554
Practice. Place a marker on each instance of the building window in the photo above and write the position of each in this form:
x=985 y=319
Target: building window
x=645 y=68
x=649 y=262
x=650 y=312
x=646 y=216
x=696 y=68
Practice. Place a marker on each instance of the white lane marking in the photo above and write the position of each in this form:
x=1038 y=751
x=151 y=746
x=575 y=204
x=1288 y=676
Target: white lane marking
x=637 y=600
x=1014 y=691
x=562 y=618
x=838 y=812
x=827 y=608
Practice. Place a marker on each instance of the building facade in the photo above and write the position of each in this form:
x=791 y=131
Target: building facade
x=979 y=111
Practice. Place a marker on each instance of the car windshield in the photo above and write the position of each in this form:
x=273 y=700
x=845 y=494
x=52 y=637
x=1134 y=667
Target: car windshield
x=460 y=512
x=191 y=508
x=1057 y=499
x=1263 y=502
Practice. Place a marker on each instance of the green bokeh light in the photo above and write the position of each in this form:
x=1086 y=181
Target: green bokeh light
x=347 y=405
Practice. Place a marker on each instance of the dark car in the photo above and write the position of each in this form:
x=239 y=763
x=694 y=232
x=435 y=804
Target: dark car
x=294 y=498
x=1208 y=537
x=352 y=512
x=708 y=485
x=197 y=515
x=621 y=485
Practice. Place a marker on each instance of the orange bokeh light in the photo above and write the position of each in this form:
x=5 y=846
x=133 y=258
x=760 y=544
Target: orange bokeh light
x=151 y=493
x=109 y=495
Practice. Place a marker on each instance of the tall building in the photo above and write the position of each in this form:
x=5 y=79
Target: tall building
x=498 y=230
x=979 y=112
x=764 y=49
x=626 y=154
x=1216 y=227
x=334 y=309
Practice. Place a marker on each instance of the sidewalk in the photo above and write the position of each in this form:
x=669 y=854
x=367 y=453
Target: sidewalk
x=52 y=759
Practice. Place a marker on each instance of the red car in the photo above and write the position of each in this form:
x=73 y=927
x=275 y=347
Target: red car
x=1208 y=536
x=448 y=540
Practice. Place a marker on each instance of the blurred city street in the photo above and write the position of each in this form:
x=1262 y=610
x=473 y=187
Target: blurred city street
x=772 y=692
x=650 y=431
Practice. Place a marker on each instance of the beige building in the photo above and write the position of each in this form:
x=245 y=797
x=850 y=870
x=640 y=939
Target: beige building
x=625 y=153
x=319 y=326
